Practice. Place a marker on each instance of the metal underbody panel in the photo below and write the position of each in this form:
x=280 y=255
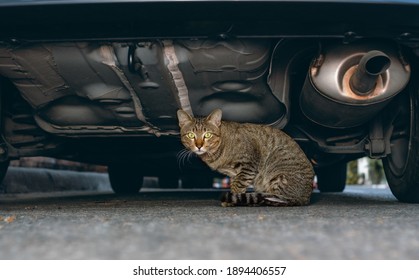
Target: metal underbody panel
x=117 y=88
x=102 y=69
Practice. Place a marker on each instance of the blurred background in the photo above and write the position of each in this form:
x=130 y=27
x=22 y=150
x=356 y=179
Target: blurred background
x=44 y=174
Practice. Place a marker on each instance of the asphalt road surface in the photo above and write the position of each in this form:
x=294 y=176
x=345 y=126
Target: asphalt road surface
x=360 y=223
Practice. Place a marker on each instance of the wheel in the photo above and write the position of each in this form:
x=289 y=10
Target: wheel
x=402 y=164
x=4 y=165
x=169 y=180
x=196 y=174
x=125 y=178
x=201 y=179
x=331 y=178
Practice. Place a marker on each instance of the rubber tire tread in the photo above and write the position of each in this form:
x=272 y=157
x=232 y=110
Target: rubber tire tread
x=331 y=178
x=125 y=179
x=406 y=187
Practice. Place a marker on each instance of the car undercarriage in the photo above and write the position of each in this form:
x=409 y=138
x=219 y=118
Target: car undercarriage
x=101 y=82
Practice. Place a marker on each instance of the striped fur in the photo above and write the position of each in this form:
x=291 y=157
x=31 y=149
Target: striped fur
x=250 y=154
x=251 y=199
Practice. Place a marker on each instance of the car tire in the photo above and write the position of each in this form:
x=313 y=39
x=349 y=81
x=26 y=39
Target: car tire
x=402 y=164
x=331 y=178
x=4 y=165
x=169 y=180
x=200 y=180
x=125 y=179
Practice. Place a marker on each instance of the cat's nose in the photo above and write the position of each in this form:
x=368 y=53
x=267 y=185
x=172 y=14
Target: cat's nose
x=199 y=144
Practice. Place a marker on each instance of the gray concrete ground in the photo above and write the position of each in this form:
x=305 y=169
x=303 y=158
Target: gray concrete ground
x=360 y=223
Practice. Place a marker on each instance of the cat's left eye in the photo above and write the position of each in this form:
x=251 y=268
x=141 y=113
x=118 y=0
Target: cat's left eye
x=207 y=135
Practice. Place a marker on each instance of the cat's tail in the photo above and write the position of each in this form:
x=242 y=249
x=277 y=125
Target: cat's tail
x=253 y=199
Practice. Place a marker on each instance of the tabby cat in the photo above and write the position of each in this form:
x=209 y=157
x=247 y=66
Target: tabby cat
x=251 y=155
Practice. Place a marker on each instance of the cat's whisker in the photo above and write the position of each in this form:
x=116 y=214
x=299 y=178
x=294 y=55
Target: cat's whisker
x=184 y=157
x=180 y=156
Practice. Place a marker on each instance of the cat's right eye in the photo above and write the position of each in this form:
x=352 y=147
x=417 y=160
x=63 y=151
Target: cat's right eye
x=190 y=135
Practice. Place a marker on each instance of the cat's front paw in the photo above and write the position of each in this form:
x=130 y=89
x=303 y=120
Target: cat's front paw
x=226 y=200
x=227 y=204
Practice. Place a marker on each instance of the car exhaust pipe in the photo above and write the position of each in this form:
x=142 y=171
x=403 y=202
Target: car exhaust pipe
x=348 y=85
x=370 y=67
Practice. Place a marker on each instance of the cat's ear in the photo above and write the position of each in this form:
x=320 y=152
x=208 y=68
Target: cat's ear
x=215 y=117
x=183 y=118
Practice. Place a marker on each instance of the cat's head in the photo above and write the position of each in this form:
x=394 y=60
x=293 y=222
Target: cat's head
x=200 y=135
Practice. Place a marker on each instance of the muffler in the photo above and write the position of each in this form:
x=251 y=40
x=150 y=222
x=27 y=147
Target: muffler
x=373 y=64
x=347 y=85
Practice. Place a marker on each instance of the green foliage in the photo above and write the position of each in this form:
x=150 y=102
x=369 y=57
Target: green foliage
x=375 y=170
x=352 y=173
x=375 y=173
